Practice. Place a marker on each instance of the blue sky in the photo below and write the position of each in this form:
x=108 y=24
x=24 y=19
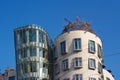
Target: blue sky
x=104 y=16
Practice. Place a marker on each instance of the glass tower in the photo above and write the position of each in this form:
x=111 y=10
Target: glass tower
x=32 y=48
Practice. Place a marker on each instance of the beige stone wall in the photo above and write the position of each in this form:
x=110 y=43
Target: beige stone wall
x=85 y=71
x=107 y=75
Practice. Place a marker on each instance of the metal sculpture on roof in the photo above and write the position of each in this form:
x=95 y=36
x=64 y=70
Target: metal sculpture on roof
x=78 y=24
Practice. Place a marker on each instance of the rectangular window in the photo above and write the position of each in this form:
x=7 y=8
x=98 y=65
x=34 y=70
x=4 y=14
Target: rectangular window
x=32 y=35
x=55 y=53
x=12 y=78
x=92 y=78
x=77 y=77
x=32 y=51
x=24 y=53
x=24 y=36
x=91 y=64
x=77 y=62
x=63 y=47
x=107 y=78
x=33 y=67
x=99 y=51
x=77 y=44
x=41 y=37
x=57 y=68
x=66 y=79
x=99 y=68
x=91 y=46
x=65 y=64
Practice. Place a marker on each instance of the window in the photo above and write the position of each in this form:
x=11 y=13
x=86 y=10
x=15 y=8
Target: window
x=55 y=52
x=99 y=68
x=32 y=35
x=57 y=68
x=107 y=78
x=77 y=44
x=24 y=53
x=12 y=78
x=65 y=64
x=99 y=51
x=32 y=51
x=24 y=37
x=66 y=79
x=63 y=47
x=77 y=62
x=77 y=77
x=91 y=46
x=41 y=37
x=33 y=67
x=92 y=78
x=91 y=64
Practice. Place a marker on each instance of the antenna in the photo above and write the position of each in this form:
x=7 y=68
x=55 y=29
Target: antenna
x=67 y=20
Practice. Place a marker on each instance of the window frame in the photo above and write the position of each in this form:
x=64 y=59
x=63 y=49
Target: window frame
x=91 y=46
x=63 y=47
x=78 y=77
x=77 y=62
x=99 y=51
x=91 y=64
x=65 y=64
x=77 y=44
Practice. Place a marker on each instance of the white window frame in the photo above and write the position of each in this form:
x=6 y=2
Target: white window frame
x=77 y=62
x=77 y=44
x=91 y=63
x=77 y=77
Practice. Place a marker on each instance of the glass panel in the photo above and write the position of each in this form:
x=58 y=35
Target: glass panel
x=32 y=51
x=24 y=37
x=41 y=37
x=63 y=47
x=77 y=44
x=32 y=35
x=91 y=46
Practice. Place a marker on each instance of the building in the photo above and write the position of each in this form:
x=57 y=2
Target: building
x=78 y=54
x=32 y=48
x=10 y=74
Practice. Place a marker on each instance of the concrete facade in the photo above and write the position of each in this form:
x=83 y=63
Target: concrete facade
x=78 y=54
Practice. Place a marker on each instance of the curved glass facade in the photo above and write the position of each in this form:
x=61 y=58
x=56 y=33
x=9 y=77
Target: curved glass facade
x=32 y=49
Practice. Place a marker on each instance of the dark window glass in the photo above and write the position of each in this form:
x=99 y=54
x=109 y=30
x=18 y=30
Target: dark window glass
x=32 y=35
x=63 y=47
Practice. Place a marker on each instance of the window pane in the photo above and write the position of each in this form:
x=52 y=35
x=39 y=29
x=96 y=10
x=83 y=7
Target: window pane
x=33 y=67
x=41 y=37
x=63 y=47
x=77 y=62
x=32 y=35
x=91 y=46
x=77 y=44
x=65 y=64
x=32 y=51
x=99 y=51
x=24 y=37
x=91 y=64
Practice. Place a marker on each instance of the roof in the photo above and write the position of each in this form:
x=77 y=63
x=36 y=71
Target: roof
x=77 y=25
